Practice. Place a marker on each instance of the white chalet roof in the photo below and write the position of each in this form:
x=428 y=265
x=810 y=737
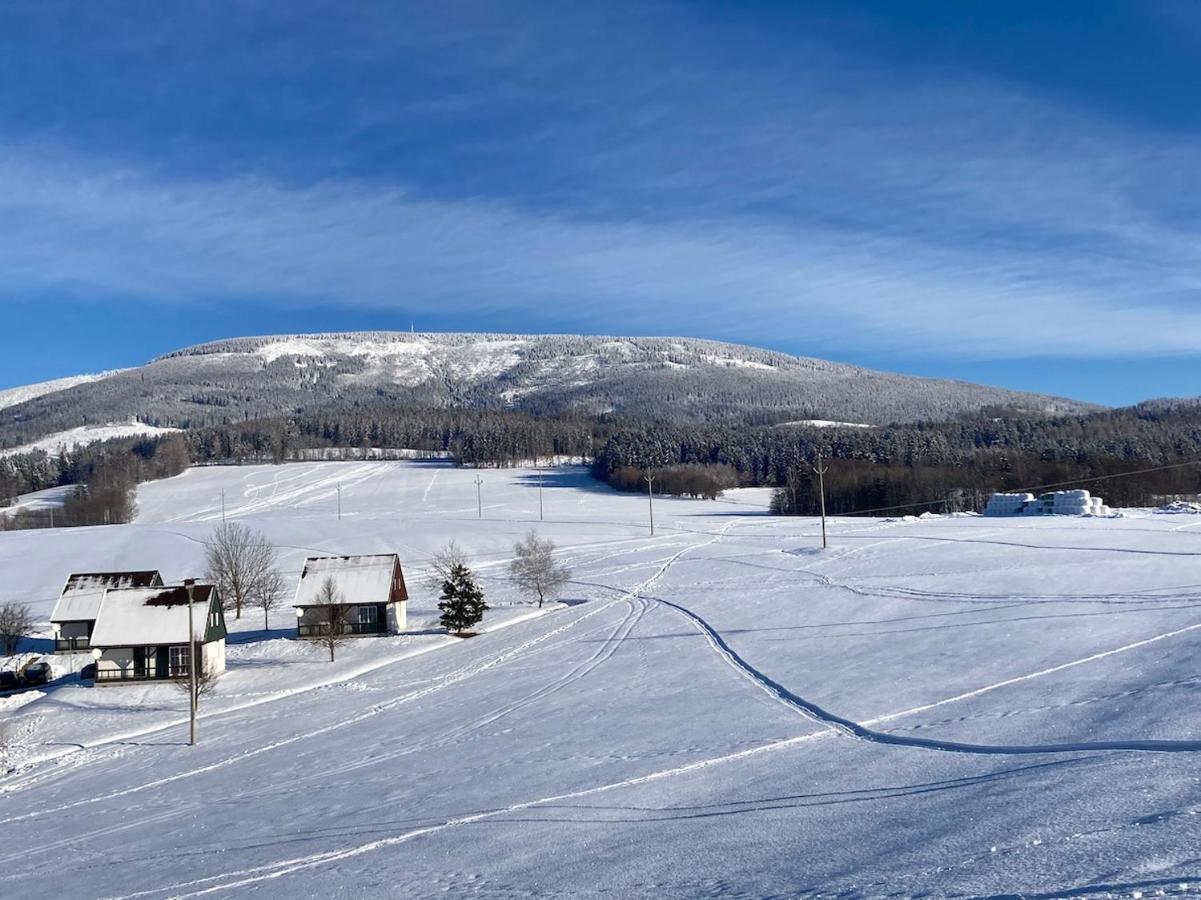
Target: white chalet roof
x=130 y=617
x=360 y=579
x=77 y=606
x=81 y=596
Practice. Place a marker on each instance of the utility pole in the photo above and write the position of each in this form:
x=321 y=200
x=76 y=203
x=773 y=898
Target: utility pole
x=52 y=517
x=479 y=496
x=539 y=468
x=820 y=471
x=190 y=584
x=222 y=506
x=339 y=501
x=649 y=477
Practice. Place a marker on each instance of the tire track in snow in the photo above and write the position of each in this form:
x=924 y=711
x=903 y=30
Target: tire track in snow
x=456 y=734
x=862 y=732
x=429 y=487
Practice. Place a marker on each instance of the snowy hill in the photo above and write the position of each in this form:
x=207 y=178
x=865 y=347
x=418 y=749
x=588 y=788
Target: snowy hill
x=634 y=378
x=25 y=393
x=84 y=435
x=936 y=707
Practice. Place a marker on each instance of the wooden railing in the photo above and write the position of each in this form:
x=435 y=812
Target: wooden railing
x=354 y=628
x=133 y=675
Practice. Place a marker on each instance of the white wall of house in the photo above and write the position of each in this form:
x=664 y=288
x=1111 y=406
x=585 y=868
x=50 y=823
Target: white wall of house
x=213 y=657
x=398 y=617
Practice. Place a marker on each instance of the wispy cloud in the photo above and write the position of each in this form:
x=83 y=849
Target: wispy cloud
x=608 y=179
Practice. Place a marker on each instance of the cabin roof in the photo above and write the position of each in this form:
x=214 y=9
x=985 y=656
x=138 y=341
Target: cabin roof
x=360 y=579
x=81 y=595
x=151 y=615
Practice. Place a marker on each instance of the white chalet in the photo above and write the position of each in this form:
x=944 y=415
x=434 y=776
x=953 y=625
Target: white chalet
x=142 y=634
x=74 y=614
x=371 y=592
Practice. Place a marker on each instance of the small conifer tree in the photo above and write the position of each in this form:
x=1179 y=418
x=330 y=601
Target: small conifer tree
x=462 y=602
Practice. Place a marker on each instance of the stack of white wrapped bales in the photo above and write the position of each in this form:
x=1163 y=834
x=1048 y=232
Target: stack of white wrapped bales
x=1008 y=504
x=1055 y=503
x=1071 y=503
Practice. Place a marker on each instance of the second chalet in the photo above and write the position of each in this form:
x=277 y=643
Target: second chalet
x=368 y=595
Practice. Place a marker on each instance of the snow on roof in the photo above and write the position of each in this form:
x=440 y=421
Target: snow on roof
x=130 y=617
x=77 y=606
x=360 y=579
x=81 y=596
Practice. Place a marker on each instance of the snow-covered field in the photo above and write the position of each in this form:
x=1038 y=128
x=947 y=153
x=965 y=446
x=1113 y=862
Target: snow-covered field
x=939 y=707
x=37 y=501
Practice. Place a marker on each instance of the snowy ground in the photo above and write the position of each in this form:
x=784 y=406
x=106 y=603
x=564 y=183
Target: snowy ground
x=941 y=707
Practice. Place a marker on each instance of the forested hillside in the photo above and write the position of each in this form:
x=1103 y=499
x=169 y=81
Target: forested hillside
x=932 y=465
x=609 y=379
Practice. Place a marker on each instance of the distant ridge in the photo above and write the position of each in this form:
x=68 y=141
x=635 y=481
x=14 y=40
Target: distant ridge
x=634 y=378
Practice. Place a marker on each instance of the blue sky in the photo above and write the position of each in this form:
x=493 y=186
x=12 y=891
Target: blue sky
x=1003 y=192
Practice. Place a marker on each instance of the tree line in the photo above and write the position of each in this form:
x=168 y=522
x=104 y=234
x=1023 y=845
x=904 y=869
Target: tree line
x=951 y=463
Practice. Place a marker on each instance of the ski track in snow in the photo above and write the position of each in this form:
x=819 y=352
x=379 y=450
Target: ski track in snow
x=861 y=732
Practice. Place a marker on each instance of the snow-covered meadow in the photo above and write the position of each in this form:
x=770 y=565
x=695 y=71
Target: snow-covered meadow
x=945 y=706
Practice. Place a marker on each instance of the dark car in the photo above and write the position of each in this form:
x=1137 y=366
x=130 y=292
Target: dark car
x=9 y=681
x=38 y=673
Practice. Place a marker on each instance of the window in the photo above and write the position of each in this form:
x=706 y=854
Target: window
x=179 y=661
x=368 y=615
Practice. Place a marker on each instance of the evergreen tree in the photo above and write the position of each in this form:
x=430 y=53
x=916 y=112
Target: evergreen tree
x=462 y=602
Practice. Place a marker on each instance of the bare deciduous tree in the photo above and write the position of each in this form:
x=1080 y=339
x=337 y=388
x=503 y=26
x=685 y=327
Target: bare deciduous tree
x=535 y=568
x=206 y=680
x=16 y=621
x=268 y=594
x=332 y=612
x=443 y=563
x=242 y=563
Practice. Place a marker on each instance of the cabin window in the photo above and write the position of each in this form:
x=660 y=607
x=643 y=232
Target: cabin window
x=368 y=615
x=179 y=661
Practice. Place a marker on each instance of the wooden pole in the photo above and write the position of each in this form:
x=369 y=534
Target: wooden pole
x=190 y=584
x=479 y=496
x=650 y=498
x=820 y=471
